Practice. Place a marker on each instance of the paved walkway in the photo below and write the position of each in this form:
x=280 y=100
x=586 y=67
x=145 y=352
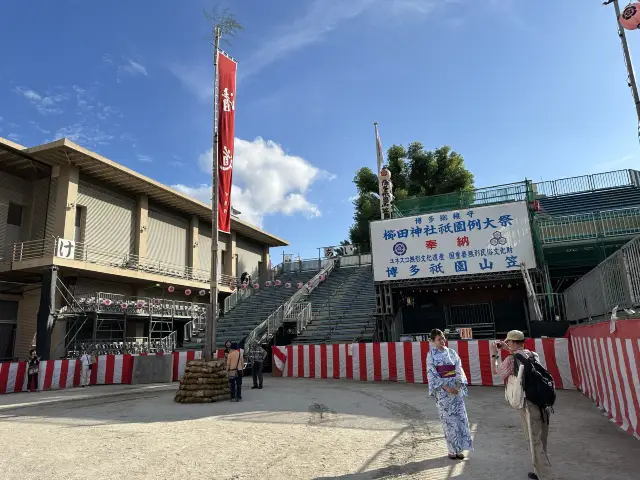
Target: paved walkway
x=300 y=429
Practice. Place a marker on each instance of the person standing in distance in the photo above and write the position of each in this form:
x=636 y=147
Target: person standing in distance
x=86 y=363
x=535 y=422
x=258 y=356
x=33 y=368
x=235 y=367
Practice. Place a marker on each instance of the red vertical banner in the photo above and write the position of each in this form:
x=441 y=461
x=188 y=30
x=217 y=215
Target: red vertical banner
x=226 y=123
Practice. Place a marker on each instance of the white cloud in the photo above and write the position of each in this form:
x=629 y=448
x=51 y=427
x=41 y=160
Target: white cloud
x=125 y=67
x=197 y=79
x=14 y=136
x=144 y=158
x=85 y=134
x=319 y=20
x=133 y=68
x=93 y=125
x=267 y=181
x=45 y=103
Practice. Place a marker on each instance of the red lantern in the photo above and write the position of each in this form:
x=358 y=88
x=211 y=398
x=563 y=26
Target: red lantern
x=140 y=304
x=187 y=292
x=630 y=16
x=287 y=285
x=267 y=283
x=202 y=293
x=244 y=286
x=106 y=302
x=322 y=278
x=256 y=286
x=299 y=285
x=171 y=289
x=123 y=306
x=278 y=283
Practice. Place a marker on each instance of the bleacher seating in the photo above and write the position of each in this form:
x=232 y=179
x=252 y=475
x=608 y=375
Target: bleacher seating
x=609 y=199
x=236 y=324
x=343 y=308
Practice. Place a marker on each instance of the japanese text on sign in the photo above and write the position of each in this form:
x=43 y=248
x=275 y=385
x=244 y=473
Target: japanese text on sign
x=476 y=240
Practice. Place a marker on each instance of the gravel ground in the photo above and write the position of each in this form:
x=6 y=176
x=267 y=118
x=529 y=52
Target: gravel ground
x=293 y=429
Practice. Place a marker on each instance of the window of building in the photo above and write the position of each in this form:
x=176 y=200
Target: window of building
x=14 y=215
x=80 y=216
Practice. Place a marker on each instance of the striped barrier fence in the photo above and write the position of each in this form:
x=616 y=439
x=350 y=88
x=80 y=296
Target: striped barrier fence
x=60 y=374
x=605 y=367
x=406 y=361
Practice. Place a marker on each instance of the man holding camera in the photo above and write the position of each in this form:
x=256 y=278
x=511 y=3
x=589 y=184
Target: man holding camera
x=535 y=421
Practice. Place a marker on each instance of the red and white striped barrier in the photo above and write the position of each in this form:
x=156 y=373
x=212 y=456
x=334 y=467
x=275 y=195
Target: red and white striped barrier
x=59 y=374
x=406 y=361
x=606 y=369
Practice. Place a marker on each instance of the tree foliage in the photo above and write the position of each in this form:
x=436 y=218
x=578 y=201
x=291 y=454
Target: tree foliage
x=415 y=172
x=223 y=20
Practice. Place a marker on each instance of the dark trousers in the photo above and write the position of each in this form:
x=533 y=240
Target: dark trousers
x=235 y=386
x=30 y=377
x=256 y=370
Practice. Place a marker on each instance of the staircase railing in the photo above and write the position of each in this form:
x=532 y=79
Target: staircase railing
x=169 y=342
x=313 y=283
x=267 y=328
x=195 y=325
x=239 y=295
x=304 y=317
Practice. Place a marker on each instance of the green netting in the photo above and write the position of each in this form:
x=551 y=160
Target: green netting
x=481 y=197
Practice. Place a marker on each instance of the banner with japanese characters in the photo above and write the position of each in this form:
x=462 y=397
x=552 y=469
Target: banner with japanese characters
x=473 y=240
x=226 y=124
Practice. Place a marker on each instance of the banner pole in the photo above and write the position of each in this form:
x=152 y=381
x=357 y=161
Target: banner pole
x=212 y=314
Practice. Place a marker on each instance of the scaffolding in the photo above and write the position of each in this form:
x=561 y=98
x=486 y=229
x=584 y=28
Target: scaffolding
x=99 y=321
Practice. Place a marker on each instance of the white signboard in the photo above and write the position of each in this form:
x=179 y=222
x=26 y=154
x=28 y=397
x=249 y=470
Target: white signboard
x=65 y=248
x=475 y=240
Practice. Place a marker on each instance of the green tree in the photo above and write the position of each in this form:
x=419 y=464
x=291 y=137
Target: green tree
x=415 y=172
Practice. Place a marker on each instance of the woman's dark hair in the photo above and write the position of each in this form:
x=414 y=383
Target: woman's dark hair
x=32 y=351
x=435 y=333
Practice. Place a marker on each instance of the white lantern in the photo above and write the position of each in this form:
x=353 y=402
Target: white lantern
x=187 y=292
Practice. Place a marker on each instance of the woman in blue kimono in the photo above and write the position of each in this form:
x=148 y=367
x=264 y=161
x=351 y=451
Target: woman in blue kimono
x=448 y=383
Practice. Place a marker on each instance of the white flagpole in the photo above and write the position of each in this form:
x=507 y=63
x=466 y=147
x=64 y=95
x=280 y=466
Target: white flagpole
x=380 y=161
x=212 y=317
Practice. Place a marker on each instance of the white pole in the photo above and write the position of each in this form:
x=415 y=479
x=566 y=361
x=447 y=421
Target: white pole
x=627 y=58
x=212 y=317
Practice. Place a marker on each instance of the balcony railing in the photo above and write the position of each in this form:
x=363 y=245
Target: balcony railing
x=83 y=252
x=115 y=303
x=589 y=226
x=586 y=183
x=516 y=192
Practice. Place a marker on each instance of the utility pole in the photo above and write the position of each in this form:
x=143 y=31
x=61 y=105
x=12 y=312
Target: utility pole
x=627 y=59
x=212 y=314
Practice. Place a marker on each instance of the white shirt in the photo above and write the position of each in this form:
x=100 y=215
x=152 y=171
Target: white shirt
x=86 y=360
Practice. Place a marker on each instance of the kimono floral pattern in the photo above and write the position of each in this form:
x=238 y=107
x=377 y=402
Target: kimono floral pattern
x=451 y=409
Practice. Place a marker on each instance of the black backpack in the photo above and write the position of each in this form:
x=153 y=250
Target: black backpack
x=539 y=387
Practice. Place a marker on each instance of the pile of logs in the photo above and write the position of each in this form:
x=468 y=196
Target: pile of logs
x=203 y=382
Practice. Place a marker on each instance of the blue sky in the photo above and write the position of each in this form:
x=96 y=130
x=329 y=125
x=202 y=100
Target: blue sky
x=518 y=91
